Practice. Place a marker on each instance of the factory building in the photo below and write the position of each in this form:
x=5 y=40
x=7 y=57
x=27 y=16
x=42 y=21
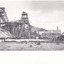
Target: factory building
x=22 y=28
x=50 y=33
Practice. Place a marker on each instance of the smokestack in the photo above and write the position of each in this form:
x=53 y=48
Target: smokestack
x=57 y=28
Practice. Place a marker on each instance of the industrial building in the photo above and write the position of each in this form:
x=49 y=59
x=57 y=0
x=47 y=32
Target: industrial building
x=50 y=33
x=22 y=28
x=19 y=28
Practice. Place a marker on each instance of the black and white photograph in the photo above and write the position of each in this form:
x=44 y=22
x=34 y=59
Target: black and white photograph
x=31 y=25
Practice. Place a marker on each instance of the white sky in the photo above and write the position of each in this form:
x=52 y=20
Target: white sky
x=43 y=14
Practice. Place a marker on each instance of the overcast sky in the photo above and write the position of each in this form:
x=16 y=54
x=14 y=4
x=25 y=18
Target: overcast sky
x=43 y=14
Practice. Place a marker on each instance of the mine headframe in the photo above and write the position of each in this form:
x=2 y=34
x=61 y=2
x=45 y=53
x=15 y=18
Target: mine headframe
x=3 y=15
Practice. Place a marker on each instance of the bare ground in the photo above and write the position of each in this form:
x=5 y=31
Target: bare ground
x=30 y=46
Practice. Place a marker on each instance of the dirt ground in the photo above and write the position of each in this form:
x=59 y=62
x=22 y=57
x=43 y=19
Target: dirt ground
x=21 y=46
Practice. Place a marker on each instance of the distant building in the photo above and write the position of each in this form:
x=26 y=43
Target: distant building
x=50 y=33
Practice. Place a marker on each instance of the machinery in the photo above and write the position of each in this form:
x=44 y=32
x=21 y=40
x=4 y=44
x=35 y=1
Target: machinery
x=19 y=28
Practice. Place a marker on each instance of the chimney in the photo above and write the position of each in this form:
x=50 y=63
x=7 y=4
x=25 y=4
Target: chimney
x=57 y=28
